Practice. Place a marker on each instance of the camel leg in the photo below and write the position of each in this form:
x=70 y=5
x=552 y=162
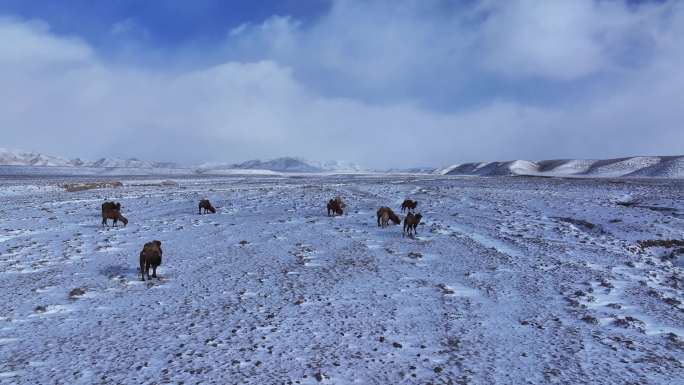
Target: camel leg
x=154 y=271
x=142 y=266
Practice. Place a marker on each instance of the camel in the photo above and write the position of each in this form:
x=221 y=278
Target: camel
x=411 y=222
x=334 y=207
x=112 y=210
x=150 y=256
x=408 y=205
x=206 y=205
x=385 y=214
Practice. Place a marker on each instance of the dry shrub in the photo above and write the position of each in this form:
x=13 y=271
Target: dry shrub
x=74 y=187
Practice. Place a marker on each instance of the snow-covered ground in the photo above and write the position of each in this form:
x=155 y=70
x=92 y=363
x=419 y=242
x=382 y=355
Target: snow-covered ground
x=509 y=281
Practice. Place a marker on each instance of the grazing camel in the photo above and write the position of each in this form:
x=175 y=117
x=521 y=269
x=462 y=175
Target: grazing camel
x=335 y=207
x=150 y=256
x=408 y=205
x=385 y=214
x=206 y=205
x=411 y=222
x=112 y=210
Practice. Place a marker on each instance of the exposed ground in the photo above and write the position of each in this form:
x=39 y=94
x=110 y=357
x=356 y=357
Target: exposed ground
x=509 y=281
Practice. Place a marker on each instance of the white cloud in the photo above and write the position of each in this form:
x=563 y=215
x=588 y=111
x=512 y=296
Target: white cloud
x=268 y=99
x=30 y=44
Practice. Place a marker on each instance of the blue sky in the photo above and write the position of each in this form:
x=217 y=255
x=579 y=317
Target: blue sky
x=160 y=24
x=362 y=81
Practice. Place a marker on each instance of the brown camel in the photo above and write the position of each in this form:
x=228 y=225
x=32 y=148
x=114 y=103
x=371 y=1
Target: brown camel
x=150 y=256
x=411 y=222
x=112 y=210
x=408 y=205
x=206 y=205
x=385 y=214
x=334 y=207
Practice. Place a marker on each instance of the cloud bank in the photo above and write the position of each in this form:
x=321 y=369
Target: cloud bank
x=384 y=84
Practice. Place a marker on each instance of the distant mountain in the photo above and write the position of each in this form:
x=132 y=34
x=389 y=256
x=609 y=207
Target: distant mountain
x=286 y=164
x=280 y=165
x=16 y=162
x=33 y=163
x=640 y=166
x=25 y=158
x=411 y=170
x=128 y=163
x=341 y=166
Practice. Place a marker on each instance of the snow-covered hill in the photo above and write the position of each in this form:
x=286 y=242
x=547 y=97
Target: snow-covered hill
x=18 y=162
x=11 y=157
x=280 y=165
x=640 y=166
x=285 y=164
x=129 y=163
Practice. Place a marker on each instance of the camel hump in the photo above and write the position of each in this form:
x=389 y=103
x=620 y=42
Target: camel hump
x=152 y=248
x=111 y=206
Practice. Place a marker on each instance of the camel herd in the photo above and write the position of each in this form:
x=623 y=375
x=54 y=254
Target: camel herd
x=151 y=254
x=385 y=214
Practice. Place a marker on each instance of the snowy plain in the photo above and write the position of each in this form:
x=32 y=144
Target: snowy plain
x=510 y=280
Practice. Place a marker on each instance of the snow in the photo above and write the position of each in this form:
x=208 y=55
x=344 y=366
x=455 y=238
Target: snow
x=509 y=281
x=18 y=162
x=12 y=157
x=669 y=167
x=640 y=166
x=26 y=158
x=522 y=167
x=283 y=165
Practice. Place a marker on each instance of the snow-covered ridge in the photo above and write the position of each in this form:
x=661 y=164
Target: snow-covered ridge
x=26 y=158
x=9 y=157
x=26 y=162
x=286 y=164
x=130 y=163
x=640 y=166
